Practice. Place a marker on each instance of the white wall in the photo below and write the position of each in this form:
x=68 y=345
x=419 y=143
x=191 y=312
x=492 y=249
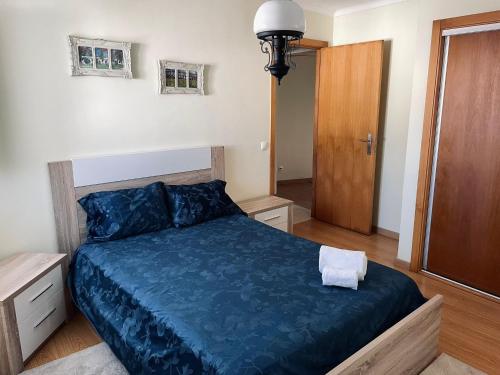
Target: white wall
x=46 y=115
x=318 y=26
x=397 y=25
x=428 y=11
x=294 y=120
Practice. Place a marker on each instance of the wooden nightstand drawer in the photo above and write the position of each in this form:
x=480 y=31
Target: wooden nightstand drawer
x=38 y=294
x=39 y=325
x=271 y=210
x=273 y=217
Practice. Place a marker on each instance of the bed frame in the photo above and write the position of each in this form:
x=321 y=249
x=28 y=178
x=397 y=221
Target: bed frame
x=406 y=348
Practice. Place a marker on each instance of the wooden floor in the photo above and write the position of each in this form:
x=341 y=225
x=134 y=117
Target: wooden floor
x=470 y=329
x=298 y=191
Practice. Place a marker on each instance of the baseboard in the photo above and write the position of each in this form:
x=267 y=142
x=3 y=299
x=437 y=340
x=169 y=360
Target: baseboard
x=386 y=233
x=460 y=286
x=402 y=264
x=295 y=181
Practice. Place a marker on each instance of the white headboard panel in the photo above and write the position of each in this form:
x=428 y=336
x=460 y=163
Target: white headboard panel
x=113 y=168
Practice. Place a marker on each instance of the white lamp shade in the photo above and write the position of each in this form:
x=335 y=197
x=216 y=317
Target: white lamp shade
x=276 y=15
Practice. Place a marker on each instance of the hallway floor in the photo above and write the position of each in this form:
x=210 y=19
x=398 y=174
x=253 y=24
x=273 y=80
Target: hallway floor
x=298 y=191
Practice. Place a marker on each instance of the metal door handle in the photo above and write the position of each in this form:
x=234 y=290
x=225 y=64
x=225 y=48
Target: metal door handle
x=369 y=143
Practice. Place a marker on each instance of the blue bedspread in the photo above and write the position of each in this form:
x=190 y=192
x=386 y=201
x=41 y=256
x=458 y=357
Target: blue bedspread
x=230 y=296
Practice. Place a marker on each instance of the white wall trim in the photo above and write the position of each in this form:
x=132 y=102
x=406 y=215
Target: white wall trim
x=314 y=9
x=111 y=168
x=367 y=6
x=318 y=10
x=472 y=29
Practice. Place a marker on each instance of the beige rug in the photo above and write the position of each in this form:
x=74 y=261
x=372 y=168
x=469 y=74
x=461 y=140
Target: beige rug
x=96 y=360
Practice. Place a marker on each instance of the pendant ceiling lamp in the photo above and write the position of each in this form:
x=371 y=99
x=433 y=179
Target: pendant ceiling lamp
x=276 y=24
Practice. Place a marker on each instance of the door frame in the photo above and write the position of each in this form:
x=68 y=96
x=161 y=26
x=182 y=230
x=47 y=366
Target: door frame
x=312 y=44
x=430 y=117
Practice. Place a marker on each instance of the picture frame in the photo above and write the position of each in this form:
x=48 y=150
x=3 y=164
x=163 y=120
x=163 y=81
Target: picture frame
x=180 y=78
x=99 y=57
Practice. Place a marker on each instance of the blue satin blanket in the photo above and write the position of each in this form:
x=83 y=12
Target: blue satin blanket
x=230 y=296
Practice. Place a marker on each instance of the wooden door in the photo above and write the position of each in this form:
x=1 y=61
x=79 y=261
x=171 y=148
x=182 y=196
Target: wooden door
x=348 y=99
x=464 y=241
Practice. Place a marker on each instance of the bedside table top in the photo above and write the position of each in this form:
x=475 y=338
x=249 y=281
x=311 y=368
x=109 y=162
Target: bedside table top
x=262 y=204
x=20 y=270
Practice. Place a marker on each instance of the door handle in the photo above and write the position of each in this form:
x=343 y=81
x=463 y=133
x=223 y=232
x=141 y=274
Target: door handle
x=369 y=143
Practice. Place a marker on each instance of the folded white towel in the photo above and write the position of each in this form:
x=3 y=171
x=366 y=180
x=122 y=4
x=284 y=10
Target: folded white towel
x=343 y=259
x=340 y=277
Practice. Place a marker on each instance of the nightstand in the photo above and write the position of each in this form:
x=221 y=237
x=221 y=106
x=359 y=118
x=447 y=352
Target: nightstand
x=32 y=305
x=271 y=210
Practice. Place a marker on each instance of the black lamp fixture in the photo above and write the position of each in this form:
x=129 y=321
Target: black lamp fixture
x=276 y=24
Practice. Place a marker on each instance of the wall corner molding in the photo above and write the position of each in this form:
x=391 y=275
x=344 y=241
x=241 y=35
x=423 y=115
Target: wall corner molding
x=367 y=6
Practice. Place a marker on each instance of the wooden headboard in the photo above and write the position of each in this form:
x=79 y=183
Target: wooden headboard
x=73 y=179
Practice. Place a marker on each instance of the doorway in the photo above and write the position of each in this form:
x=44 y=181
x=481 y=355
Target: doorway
x=292 y=130
x=346 y=98
x=294 y=134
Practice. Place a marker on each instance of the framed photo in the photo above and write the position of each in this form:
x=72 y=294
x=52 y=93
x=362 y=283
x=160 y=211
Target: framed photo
x=180 y=78
x=98 y=57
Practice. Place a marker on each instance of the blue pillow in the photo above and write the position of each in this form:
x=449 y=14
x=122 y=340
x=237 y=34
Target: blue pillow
x=112 y=215
x=194 y=204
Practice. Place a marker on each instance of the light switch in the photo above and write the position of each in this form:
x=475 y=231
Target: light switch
x=264 y=145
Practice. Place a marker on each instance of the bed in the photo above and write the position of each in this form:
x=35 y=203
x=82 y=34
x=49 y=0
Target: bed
x=231 y=295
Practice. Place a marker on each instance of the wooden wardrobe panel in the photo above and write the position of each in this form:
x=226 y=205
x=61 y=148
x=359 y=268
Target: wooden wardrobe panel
x=464 y=243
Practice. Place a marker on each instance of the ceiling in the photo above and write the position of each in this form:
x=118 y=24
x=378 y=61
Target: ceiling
x=342 y=6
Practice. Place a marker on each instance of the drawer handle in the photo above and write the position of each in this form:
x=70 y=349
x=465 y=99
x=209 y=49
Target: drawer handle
x=43 y=291
x=45 y=317
x=272 y=217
